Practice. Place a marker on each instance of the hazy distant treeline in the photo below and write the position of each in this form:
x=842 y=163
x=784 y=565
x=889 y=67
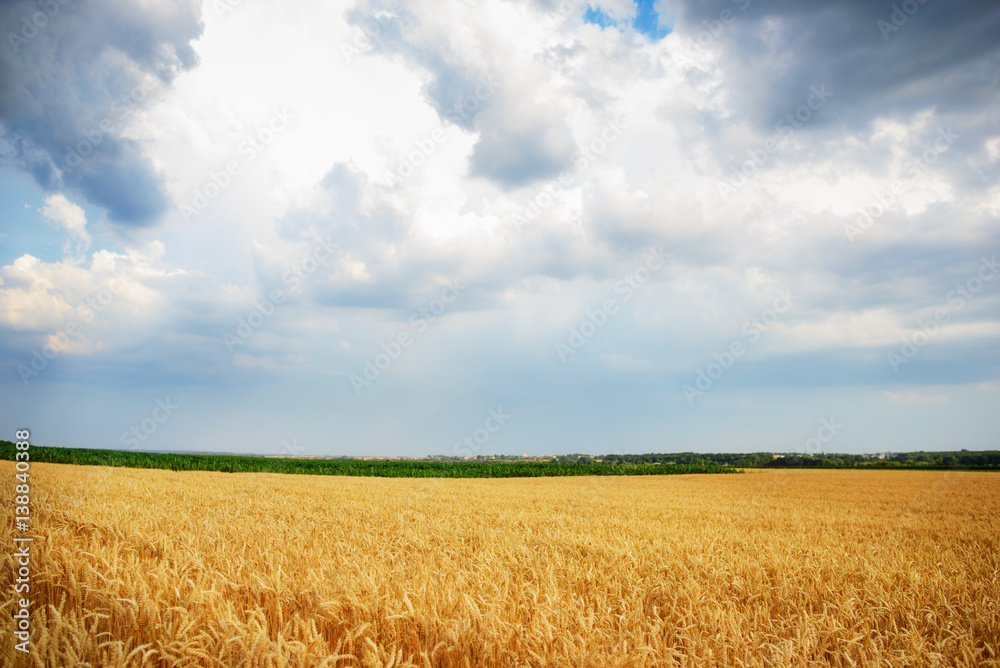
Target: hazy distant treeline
x=984 y=460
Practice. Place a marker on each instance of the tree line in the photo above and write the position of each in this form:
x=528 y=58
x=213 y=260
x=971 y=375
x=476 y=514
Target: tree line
x=963 y=459
x=510 y=466
x=389 y=468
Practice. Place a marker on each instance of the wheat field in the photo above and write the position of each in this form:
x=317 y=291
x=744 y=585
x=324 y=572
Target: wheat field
x=772 y=568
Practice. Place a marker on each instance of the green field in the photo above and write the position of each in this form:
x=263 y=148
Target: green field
x=412 y=468
x=506 y=466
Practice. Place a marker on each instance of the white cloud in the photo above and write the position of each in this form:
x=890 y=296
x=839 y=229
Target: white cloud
x=73 y=220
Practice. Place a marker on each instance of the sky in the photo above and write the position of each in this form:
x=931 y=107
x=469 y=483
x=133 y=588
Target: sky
x=473 y=227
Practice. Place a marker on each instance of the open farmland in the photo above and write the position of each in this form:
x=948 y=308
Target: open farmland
x=771 y=568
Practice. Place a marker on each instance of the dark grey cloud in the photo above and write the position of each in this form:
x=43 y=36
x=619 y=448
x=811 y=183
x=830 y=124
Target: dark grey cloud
x=942 y=54
x=70 y=79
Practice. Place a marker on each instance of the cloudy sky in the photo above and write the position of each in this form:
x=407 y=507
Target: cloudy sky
x=381 y=227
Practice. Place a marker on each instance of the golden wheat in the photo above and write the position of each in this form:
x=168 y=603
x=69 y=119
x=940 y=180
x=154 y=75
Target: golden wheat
x=777 y=568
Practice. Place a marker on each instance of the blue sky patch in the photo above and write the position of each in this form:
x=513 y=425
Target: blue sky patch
x=596 y=16
x=646 y=21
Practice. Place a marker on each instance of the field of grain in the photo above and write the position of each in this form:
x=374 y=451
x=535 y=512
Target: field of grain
x=775 y=568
